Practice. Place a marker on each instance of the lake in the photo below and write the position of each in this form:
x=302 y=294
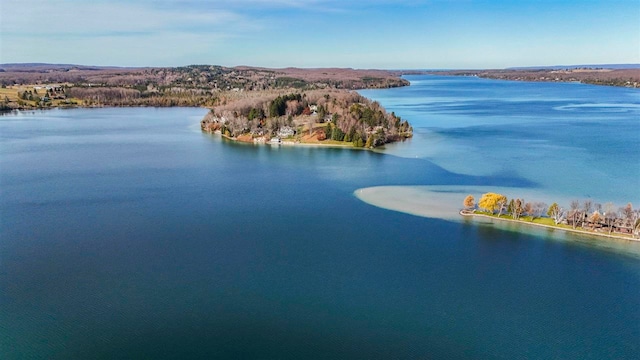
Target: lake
x=129 y=233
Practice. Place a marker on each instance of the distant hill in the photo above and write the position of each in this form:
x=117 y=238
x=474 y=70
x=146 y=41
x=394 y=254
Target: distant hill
x=597 y=66
x=32 y=65
x=193 y=85
x=203 y=77
x=627 y=75
x=38 y=67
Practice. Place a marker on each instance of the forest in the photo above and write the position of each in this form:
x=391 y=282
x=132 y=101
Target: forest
x=585 y=215
x=194 y=85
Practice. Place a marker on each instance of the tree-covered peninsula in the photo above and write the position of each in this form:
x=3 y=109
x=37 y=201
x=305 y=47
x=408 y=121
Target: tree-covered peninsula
x=323 y=117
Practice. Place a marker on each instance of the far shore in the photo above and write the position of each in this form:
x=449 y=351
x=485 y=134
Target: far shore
x=618 y=77
x=570 y=230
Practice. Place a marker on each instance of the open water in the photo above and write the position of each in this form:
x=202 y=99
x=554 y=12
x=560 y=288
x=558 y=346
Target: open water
x=128 y=233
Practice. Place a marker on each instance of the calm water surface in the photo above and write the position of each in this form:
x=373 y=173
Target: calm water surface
x=128 y=233
x=569 y=139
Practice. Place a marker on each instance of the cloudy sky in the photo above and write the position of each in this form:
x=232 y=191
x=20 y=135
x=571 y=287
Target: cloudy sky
x=321 y=33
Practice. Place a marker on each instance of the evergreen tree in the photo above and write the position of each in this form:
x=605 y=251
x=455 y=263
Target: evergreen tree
x=357 y=140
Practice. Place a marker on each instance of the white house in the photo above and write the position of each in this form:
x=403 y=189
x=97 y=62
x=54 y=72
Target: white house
x=286 y=131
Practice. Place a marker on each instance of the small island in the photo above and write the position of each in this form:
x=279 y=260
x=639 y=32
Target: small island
x=316 y=117
x=585 y=217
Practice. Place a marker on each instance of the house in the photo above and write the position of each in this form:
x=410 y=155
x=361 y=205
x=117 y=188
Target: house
x=286 y=131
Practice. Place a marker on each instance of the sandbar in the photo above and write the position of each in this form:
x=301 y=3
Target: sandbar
x=441 y=201
x=445 y=202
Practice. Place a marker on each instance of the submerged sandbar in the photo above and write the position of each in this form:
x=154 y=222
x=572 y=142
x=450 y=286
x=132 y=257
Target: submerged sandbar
x=438 y=201
x=445 y=202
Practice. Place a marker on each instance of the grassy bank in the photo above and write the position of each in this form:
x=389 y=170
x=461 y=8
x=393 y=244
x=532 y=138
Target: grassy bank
x=547 y=223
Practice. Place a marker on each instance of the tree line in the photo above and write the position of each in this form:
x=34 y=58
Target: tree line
x=585 y=214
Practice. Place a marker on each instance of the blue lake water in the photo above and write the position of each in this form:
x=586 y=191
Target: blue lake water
x=128 y=233
x=569 y=139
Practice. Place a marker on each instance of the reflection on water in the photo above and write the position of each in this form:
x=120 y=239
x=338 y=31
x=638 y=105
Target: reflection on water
x=444 y=202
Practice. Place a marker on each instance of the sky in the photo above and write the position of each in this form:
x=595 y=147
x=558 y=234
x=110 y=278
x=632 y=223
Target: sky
x=384 y=34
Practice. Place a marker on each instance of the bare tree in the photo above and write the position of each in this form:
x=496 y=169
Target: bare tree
x=538 y=209
x=610 y=215
x=501 y=204
x=310 y=124
x=528 y=209
x=575 y=204
x=587 y=205
x=627 y=211
x=293 y=107
x=517 y=209
x=628 y=217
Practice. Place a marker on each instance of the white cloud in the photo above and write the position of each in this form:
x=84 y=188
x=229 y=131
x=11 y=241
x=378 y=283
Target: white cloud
x=97 y=32
x=359 y=33
x=84 y=18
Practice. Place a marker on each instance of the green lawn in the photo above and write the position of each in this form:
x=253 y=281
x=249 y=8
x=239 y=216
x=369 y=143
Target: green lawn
x=549 y=222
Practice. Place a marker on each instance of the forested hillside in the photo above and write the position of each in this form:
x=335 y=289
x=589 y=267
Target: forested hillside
x=195 y=85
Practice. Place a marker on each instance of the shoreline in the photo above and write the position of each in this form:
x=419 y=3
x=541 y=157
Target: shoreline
x=287 y=143
x=440 y=202
x=101 y=106
x=465 y=213
x=622 y=78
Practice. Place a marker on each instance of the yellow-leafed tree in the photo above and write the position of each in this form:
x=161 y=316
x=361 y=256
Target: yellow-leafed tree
x=492 y=202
